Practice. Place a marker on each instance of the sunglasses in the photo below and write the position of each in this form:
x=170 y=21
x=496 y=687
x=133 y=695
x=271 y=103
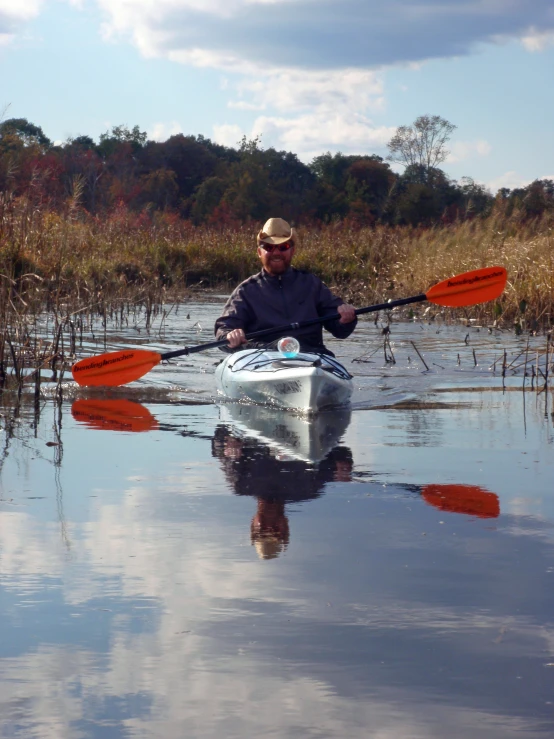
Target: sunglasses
x=276 y=247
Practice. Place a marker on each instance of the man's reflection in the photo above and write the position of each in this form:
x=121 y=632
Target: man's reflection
x=253 y=468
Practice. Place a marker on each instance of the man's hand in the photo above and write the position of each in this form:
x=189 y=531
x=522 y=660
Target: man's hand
x=347 y=313
x=236 y=337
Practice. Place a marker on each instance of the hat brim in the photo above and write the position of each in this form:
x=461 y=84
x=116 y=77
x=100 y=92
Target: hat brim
x=265 y=239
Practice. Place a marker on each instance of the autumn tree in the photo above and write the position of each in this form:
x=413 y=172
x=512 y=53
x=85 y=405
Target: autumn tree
x=421 y=144
x=368 y=185
x=24 y=156
x=120 y=149
x=82 y=161
x=349 y=182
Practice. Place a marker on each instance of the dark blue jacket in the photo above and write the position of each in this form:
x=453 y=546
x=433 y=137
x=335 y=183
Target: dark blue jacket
x=263 y=301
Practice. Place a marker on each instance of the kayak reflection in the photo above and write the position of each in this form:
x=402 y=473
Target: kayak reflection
x=275 y=473
x=291 y=436
x=113 y=415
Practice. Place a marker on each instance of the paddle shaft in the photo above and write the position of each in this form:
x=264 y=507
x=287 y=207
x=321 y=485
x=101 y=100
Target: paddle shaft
x=293 y=326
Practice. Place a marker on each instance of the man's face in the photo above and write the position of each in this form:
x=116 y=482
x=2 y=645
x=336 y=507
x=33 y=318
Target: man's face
x=275 y=262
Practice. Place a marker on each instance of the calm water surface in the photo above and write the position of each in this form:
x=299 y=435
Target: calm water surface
x=172 y=566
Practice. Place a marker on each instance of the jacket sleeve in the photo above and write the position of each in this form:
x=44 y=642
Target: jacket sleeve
x=328 y=304
x=236 y=314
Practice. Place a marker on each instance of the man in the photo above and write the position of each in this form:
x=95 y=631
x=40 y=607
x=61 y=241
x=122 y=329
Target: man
x=280 y=295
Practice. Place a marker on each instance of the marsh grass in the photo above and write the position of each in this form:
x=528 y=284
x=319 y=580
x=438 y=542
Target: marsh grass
x=83 y=271
x=373 y=265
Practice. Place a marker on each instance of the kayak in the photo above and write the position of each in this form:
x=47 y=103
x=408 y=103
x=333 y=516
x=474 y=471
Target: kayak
x=290 y=436
x=306 y=382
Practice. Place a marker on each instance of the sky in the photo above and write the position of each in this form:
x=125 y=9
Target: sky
x=307 y=76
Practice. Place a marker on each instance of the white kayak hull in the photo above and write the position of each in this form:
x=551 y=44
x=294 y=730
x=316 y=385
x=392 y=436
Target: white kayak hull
x=306 y=383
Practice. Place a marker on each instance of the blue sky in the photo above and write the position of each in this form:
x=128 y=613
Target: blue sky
x=309 y=76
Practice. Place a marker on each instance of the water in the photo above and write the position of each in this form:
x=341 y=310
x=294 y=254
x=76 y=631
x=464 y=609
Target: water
x=171 y=566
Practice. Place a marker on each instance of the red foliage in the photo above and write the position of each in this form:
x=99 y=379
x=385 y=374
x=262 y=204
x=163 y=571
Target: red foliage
x=222 y=216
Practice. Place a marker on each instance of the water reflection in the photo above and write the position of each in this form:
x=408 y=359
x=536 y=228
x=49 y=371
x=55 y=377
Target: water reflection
x=113 y=414
x=291 y=436
x=397 y=609
x=278 y=459
x=471 y=500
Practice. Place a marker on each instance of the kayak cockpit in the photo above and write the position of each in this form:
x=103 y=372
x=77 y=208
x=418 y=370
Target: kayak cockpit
x=307 y=382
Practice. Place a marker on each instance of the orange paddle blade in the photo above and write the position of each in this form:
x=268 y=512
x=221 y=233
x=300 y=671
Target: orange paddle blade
x=113 y=415
x=469 y=288
x=114 y=368
x=468 y=499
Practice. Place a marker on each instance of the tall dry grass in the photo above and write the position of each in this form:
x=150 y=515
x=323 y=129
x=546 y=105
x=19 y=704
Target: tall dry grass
x=75 y=266
x=373 y=265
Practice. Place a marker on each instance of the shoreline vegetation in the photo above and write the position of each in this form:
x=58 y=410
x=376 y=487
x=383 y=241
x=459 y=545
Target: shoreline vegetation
x=77 y=268
x=101 y=234
x=72 y=261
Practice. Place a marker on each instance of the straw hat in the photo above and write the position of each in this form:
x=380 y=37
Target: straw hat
x=276 y=231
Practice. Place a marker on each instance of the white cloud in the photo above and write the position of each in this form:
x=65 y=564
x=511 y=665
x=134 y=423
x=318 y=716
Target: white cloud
x=228 y=135
x=162 y=131
x=461 y=150
x=319 y=110
x=243 y=105
x=19 y=9
x=294 y=89
x=512 y=180
x=311 y=133
x=12 y=14
x=538 y=40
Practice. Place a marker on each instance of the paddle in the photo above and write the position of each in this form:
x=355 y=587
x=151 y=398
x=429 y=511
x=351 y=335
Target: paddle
x=121 y=367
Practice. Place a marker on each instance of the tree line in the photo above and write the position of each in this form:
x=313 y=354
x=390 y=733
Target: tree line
x=205 y=182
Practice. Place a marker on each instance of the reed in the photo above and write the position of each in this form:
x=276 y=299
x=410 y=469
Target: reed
x=76 y=269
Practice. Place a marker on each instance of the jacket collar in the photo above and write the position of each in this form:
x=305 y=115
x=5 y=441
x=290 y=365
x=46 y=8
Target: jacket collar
x=276 y=280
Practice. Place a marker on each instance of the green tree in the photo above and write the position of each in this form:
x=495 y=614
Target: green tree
x=537 y=198
x=418 y=204
x=190 y=159
x=27 y=133
x=207 y=197
x=477 y=199
x=159 y=188
x=110 y=141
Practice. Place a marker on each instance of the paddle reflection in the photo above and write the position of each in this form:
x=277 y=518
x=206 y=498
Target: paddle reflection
x=469 y=499
x=113 y=415
x=279 y=471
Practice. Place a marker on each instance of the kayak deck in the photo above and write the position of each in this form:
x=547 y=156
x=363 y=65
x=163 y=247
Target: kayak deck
x=307 y=382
